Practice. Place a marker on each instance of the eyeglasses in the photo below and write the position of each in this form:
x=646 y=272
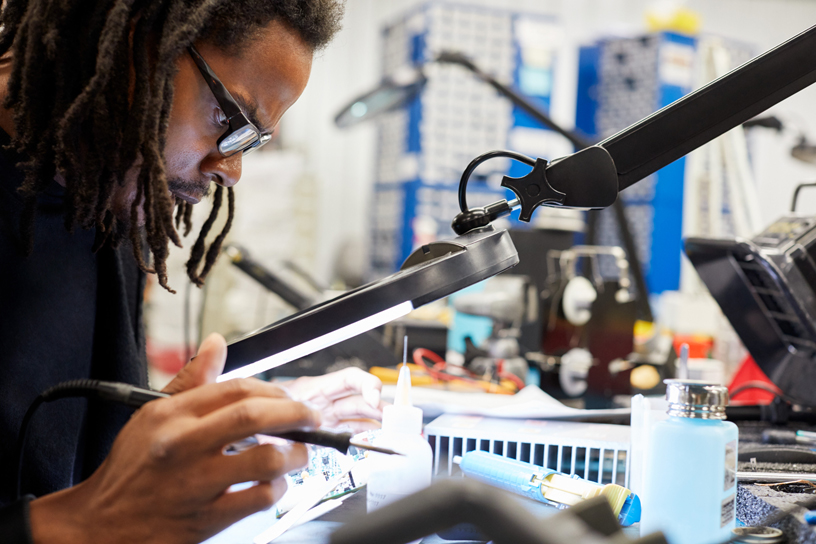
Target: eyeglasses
x=242 y=135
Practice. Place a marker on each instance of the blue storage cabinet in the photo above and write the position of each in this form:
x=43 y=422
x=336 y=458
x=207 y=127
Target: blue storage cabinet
x=424 y=147
x=620 y=81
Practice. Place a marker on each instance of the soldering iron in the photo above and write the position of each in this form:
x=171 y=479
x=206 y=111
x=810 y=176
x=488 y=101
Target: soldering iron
x=136 y=397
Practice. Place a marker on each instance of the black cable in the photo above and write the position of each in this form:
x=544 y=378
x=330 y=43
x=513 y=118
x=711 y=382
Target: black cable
x=579 y=142
x=118 y=392
x=479 y=160
x=755 y=384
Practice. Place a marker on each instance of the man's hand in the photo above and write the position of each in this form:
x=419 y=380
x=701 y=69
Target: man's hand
x=349 y=397
x=167 y=479
x=205 y=367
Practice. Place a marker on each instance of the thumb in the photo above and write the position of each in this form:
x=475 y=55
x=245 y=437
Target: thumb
x=203 y=368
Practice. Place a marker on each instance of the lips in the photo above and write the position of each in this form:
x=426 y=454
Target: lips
x=185 y=197
x=189 y=191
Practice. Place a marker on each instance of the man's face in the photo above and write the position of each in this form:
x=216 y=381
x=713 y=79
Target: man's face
x=266 y=77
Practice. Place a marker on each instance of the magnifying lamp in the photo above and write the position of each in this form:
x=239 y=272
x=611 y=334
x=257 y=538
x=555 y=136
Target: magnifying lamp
x=588 y=179
x=392 y=94
x=432 y=272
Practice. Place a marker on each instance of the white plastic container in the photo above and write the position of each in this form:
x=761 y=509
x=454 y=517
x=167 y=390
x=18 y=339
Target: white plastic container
x=396 y=476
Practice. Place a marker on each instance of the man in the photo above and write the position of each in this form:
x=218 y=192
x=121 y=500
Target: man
x=115 y=112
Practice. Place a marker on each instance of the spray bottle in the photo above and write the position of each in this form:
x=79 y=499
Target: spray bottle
x=396 y=476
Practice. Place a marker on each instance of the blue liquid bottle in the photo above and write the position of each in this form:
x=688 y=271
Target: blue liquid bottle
x=690 y=482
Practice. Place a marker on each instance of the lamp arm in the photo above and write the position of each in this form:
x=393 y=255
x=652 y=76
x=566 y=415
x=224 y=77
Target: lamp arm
x=592 y=177
x=701 y=116
x=451 y=57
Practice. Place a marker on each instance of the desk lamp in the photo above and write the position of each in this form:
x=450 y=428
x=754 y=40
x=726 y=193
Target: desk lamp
x=588 y=179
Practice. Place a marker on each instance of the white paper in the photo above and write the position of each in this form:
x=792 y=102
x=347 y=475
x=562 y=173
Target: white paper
x=529 y=403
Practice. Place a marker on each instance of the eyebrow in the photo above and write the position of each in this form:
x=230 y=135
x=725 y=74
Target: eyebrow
x=250 y=108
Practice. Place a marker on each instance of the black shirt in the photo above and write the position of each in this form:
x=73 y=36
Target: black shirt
x=65 y=313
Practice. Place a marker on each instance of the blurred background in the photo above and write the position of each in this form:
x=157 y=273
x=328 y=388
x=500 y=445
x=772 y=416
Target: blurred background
x=324 y=208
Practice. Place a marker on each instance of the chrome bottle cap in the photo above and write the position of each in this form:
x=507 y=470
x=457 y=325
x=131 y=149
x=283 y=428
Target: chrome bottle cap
x=696 y=399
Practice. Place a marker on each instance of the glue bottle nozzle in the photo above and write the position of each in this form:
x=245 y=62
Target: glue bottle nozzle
x=402 y=396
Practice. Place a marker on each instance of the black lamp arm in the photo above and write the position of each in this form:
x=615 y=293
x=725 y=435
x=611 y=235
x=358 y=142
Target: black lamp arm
x=679 y=128
x=700 y=116
x=480 y=217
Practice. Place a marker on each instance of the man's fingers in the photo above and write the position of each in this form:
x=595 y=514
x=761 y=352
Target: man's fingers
x=350 y=408
x=204 y=368
x=265 y=462
x=211 y=397
x=233 y=506
x=251 y=416
x=346 y=382
x=357 y=426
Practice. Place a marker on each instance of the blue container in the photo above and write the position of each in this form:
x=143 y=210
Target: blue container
x=690 y=482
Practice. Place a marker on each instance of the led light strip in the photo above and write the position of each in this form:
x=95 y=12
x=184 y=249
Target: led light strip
x=321 y=342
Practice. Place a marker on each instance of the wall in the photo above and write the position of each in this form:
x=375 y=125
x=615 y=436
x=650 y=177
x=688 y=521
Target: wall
x=342 y=161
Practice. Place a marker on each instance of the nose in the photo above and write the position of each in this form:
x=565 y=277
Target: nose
x=226 y=171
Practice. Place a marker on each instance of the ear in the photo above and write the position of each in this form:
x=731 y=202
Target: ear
x=204 y=368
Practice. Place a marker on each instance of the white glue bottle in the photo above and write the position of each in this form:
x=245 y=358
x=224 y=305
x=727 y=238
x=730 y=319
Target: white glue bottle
x=396 y=476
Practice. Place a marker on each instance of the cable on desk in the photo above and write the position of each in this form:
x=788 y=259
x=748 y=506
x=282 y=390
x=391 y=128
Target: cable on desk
x=439 y=370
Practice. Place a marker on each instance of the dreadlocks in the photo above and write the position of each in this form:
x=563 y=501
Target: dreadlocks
x=91 y=89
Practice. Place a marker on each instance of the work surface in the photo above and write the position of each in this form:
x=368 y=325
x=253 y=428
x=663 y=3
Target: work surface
x=313 y=532
x=319 y=531
x=754 y=503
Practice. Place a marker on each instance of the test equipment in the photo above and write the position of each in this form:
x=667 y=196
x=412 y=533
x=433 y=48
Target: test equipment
x=766 y=287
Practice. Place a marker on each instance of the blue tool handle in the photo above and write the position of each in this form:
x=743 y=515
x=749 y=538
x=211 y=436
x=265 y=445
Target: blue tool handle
x=508 y=474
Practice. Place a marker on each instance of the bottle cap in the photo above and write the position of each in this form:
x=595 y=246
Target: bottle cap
x=696 y=399
x=402 y=416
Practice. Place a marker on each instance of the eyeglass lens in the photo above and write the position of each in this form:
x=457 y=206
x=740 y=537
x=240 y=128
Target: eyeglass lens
x=243 y=138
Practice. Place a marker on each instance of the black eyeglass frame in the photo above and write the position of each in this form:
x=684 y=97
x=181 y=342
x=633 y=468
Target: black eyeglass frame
x=236 y=118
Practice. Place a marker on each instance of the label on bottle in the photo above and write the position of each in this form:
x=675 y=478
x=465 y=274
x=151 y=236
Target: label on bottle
x=375 y=500
x=730 y=465
x=727 y=511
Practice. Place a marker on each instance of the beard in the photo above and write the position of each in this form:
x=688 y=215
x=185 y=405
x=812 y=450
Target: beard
x=181 y=190
x=191 y=192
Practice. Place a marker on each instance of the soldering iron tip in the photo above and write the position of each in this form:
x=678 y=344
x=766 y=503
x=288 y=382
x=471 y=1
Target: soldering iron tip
x=370 y=447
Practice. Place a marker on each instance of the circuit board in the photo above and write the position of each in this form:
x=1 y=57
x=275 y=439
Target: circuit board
x=325 y=464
